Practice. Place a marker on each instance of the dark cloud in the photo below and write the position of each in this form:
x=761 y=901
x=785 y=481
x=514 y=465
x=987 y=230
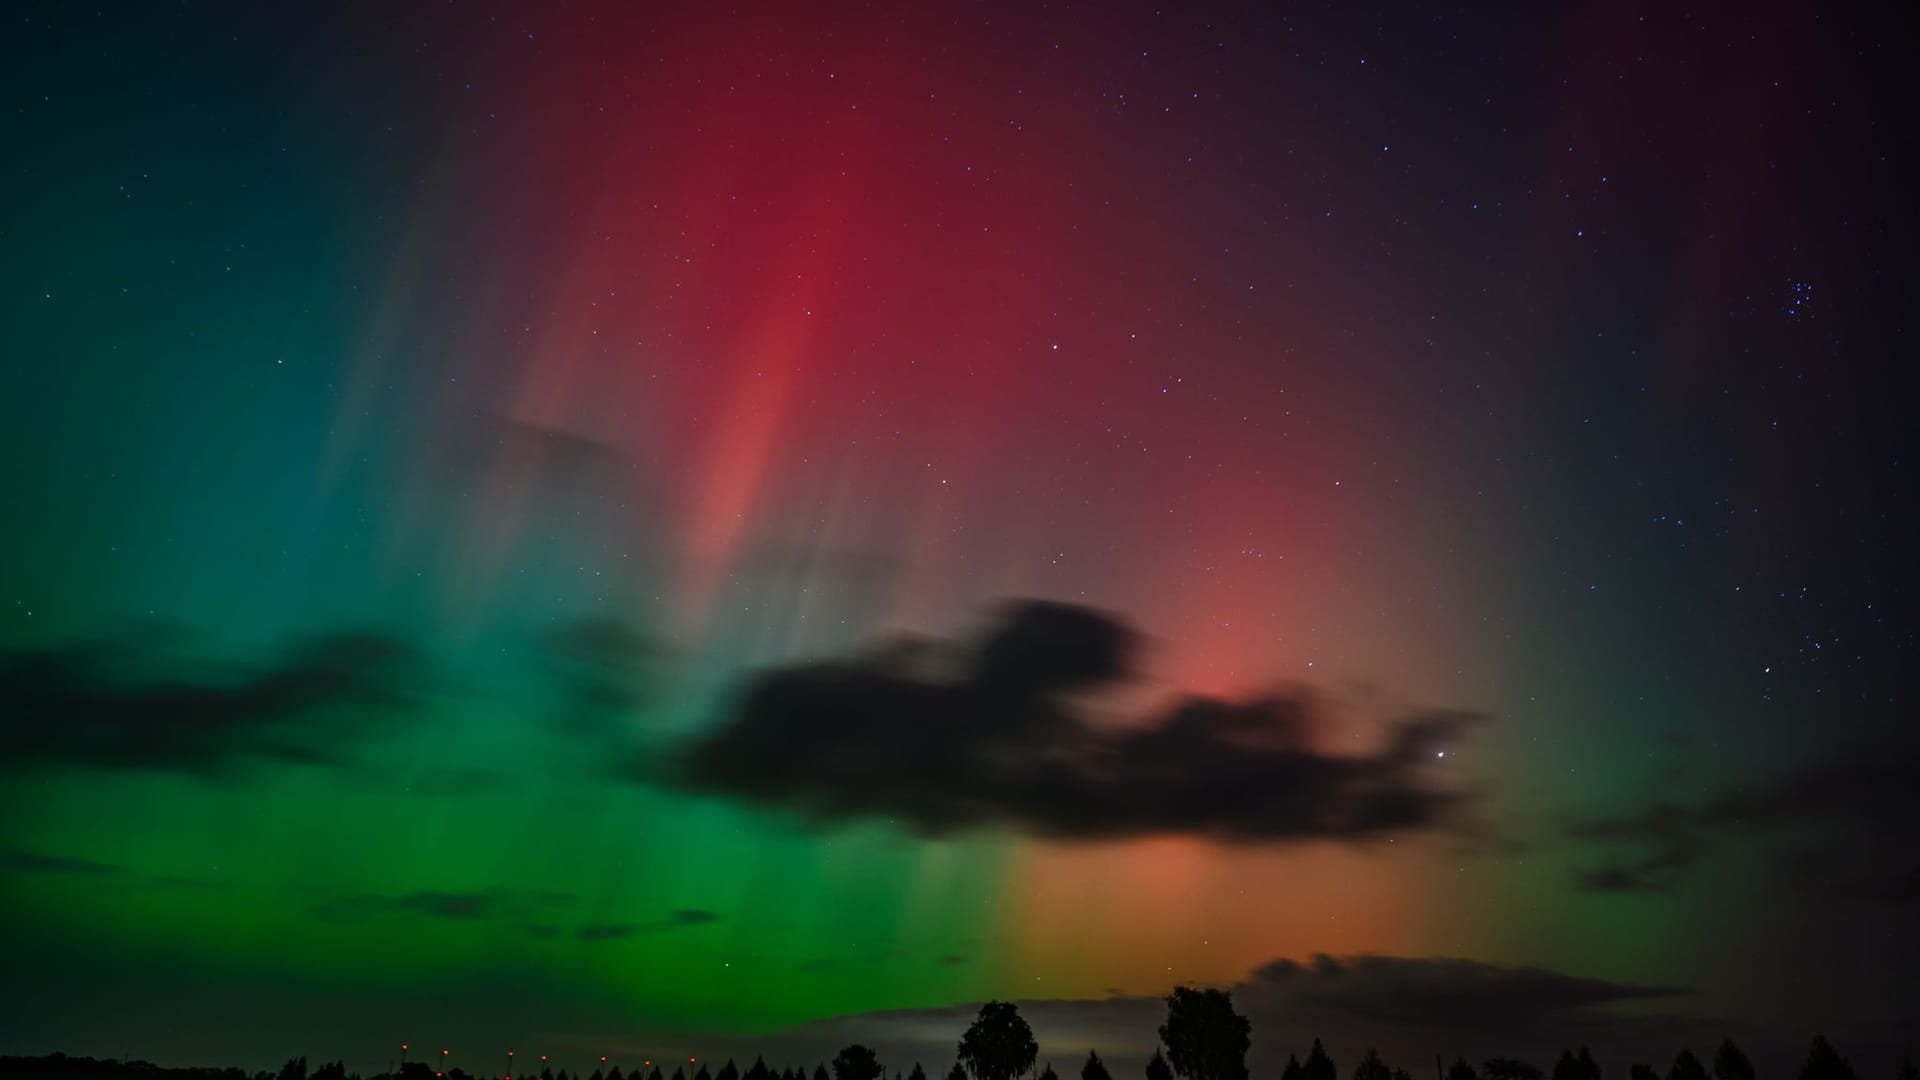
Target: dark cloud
x=1409 y=1007
x=676 y=920
x=604 y=671
x=1840 y=826
x=107 y=706
x=949 y=737
x=531 y=912
x=428 y=903
x=1439 y=992
x=36 y=863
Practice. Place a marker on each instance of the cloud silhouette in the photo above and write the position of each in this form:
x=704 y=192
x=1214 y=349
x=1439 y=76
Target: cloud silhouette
x=37 y=863
x=1438 y=992
x=1839 y=826
x=682 y=918
x=986 y=733
x=96 y=705
x=1407 y=1006
x=429 y=903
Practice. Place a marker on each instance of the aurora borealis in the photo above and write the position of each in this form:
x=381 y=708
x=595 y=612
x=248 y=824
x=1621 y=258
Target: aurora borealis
x=663 y=530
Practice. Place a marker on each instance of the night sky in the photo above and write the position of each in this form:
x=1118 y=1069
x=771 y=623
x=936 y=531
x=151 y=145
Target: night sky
x=711 y=530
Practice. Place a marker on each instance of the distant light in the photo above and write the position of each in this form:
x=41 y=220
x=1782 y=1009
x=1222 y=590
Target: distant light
x=1441 y=753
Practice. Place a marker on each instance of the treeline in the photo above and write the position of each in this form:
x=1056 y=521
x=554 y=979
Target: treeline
x=1203 y=1038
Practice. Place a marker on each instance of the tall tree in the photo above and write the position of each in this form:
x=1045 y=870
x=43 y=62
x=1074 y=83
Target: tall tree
x=918 y=1073
x=1094 y=1069
x=1729 y=1063
x=757 y=1070
x=1825 y=1063
x=1157 y=1067
x=727 y=1072
x=998 y=1044
x=1292 y=1069
x=1318 y=1065
x=1048 y=1073
x=1460 y=1070
x=1372 y=1068
x=1686 y=1067
x=1501 y=1068
x=1642 y=1072
x=958 y=1072
x=1205 y=1038
x=857 y=1062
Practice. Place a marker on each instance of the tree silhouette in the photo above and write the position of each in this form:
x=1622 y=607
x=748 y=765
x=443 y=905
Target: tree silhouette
x=701 y=1073
x=1372 y=1068
x=615 y=1074
x=1643 y=1072
x=1048 y=1073
x=1501 y=1068
x=1580 y=1066
x=728 y=1072
x=1729 y=1063
x=757 y=1070
x=1318 y=1065
x=918 y=1073
x=1460 y=1070
x=856 y=1062
x=294 y=1069
x=679 y=1073
x=998 y=1044
x=1686 y=1067
x=958 y=1072
x=1825 y=1063
x=1205 y=1038
x=1292 y=1069
x=1094 y=1069
x=653 y=1073
x=1907 y=1071
x=1157 y=1067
